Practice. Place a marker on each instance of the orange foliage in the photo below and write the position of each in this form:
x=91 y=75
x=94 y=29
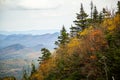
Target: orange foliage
x=93 y=57
x=92 y=49
x=96 y=39
x=86 y=31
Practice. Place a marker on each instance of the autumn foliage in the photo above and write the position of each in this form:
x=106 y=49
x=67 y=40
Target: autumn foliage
x=92 y=54
x=83 y=57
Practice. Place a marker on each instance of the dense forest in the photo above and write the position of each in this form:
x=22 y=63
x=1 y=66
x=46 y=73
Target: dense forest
x=90 y=51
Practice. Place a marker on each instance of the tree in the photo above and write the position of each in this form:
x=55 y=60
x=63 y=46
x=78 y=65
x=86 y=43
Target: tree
x=73 y=31
x=100 y=17
x=81 y=22
x=95 y=14
x=118 y=5
x=106 y=13
x=63 y=39
x=45 y=55
x=25 y=75
x=91 y=9
x=33 y=69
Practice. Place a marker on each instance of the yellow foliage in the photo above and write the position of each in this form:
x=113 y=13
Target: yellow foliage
x=86 y=31
x=47 y=66
x=108 y=24
x=74 y=43
x=37 y=76
x=111 y=24
x=117 y=19
x=44 y=69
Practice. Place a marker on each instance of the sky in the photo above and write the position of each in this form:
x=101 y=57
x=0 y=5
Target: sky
x=25 y=15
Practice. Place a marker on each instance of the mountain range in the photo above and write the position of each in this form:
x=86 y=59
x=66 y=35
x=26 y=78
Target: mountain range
x=18 y=51
x=28 y=40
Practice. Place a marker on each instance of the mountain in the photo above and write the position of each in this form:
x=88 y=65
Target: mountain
x=14 y=47
x=18 y=51
x=33 y=32
x=29 y=40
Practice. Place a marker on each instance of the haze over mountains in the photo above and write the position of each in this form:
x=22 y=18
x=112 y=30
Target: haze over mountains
x=32 y=32
x=28 y=40
x=18 y=51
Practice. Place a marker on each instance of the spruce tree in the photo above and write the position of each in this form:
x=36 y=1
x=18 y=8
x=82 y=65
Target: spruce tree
x=63 y=39
x=73 y=31
x=106 y=13
x=100 y=17
x=81 y=22
x=95 y=14
x=118 y=5
x=91 y=4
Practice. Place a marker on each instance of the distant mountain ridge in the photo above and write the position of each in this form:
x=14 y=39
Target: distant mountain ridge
x=29 y=32
x=17 y=51
x=14 y=47
x=28 y=40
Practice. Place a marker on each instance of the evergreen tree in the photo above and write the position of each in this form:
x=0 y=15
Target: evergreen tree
x=81 y=22
x=45 y=55
x=106 y=13
x=33 y=69
x=95 y=14
x=25 y=75
x=100 y=17
x=118 y=5
x=91 y=9
x=73 y=31
x=63 y=38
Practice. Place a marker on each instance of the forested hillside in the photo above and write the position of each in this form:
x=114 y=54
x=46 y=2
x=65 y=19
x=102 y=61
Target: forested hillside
x=91 y=51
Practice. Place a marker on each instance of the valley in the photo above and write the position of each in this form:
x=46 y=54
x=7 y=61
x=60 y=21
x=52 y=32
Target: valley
x=18 y=51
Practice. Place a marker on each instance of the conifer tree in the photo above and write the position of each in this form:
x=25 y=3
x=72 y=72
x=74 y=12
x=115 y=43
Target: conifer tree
x=25 y=75
x=118 y=5
x=95 y=14
x=106 y=13
x=100 y=17
x=45 y=55
x=73 y=31
x=81 y=22
x=33 y=69
x=63 y=38
x=91 y=9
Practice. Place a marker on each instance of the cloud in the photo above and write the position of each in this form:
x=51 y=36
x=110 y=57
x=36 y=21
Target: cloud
x=29 y=5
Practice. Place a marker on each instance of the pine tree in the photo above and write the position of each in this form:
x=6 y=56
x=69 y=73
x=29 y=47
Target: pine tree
x=45 y=55
x=81 y=22
x=95 y=14
x=63 y=38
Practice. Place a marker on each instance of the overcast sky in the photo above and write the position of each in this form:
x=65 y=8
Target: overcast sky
x=22 y=15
